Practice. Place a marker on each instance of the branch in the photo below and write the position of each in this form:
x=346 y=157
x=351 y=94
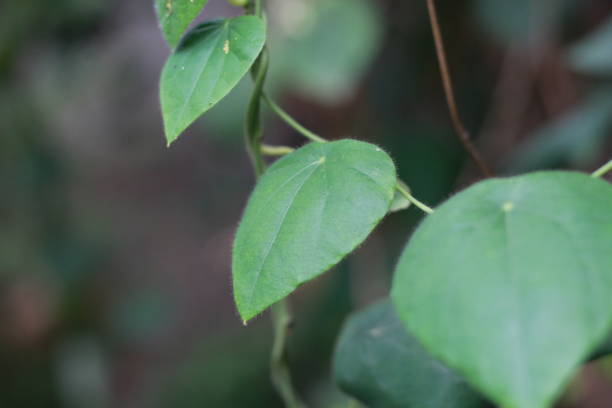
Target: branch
x=462 y=133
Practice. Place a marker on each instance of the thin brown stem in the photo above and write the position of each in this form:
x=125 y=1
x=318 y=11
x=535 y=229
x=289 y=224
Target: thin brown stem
x=462 y=133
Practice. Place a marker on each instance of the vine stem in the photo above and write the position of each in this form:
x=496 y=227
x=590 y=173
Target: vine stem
x=281 y=376
x=413 y=200
x=462 y=133
x=290 y=121
x=281 y=318
x=600 y=172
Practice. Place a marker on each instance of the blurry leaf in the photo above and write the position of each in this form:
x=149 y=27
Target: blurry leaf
x=509 y=283
x=210 y=61
x=399 y=201
x=175 y=16
x=574 y=139
x=593 y=54
x=309 y=210
x=326 y=46
x=517 y=20
x=382 y=365
x=82 y=374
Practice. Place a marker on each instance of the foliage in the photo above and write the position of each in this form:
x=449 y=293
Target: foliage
x=330 y=195
x=384 y=366
x=115 y=252
x=485 y=283
x=207 y=65
x=516 y=261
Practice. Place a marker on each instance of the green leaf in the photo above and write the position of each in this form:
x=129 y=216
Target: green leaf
x=379 y=363
x=593 y=54
x=210 y=61
x=175 y=16
x=510 y=283
x=309 y=210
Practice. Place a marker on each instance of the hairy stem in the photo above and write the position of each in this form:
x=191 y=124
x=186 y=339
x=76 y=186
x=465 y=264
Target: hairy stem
x=600 y=172
x=281 y=377
x=253 y=126
x=290 y=121
x=413 y=200
x=462 y=133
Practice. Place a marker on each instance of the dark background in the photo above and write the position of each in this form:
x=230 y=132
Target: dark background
x=115 y=286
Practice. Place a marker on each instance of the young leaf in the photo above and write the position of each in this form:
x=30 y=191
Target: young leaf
x=174 y=17
x=379 y=363
x=510 y=283
x=210 y=61
x=309 y=210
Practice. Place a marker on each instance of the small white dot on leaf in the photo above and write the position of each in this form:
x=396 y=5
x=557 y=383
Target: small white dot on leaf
x=226 y=47
x=508 y=206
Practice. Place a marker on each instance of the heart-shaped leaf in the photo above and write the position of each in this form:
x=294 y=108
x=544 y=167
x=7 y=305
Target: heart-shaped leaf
x=379 y=363
x=175 y=16
x=510 y=283
x=206 y=66
x=309 y=210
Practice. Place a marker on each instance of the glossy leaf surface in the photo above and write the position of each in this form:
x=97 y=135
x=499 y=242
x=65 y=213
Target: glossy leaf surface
x=309 y=210
x=210 y=61
x=510 y=283
x=382 y=365
x=175 y=16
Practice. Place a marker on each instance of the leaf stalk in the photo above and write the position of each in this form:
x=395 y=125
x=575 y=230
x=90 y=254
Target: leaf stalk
x=600 y=172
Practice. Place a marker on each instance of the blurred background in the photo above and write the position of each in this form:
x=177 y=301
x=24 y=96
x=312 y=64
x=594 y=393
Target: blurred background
x=115 y=286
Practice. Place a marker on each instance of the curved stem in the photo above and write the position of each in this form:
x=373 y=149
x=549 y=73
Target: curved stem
x=462 y=133
x=281 y=318
x=413 y=200
x=290 y=121
x=281 y=377
x=600 y=172
x=253 y=126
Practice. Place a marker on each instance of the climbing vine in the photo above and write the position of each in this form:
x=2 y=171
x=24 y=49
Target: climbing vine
x=508 y=283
